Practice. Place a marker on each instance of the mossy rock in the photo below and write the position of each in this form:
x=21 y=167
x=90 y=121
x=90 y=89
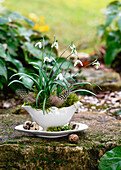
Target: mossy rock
x=19 y=150
x=108 y=81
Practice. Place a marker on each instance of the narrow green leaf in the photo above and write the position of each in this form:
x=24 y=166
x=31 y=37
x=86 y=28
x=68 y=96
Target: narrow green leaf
x=83 y=90
x=38 y=97
x=17 y=81
x=27 y=76
x=44 y=106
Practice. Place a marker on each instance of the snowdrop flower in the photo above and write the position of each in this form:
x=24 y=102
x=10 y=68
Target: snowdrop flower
x=59 y=76
x=73 y=47
x=97 y=64
x=47 y=59
x=55 y=44
x=78 y=62
x=38 y=43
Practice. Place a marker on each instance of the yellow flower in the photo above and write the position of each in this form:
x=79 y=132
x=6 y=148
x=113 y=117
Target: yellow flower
x=33 y=17
x=44 y=28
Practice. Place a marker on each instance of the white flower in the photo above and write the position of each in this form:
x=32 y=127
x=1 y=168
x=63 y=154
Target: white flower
x=55 y=44
x=38 y=43
x=97 y=64
x=78 y=62
x=47 y=59
x=74 y=52
x=59 y=76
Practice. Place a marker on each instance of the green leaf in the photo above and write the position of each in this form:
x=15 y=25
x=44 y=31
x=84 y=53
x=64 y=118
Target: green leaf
x=33 y=51
x=59 y=82
x=119 y=22
x=27 y=79
x=30 y=22
x=15 y=62
x=2 y=51
x=100 y=30
x=110 y=18
x=83 y=90
x=26 y=85
x=3 y=70
x=27 y=82
x=3 y=20
x=38 y=96
x=111 y=160
x=44 y=106
x=110 y=55
x=118 y=113
x=24 y=32
x=15 y=15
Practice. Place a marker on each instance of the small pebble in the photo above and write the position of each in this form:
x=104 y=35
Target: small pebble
x=73 y=138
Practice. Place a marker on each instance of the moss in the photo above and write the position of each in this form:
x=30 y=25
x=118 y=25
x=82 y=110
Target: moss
x=68 y=102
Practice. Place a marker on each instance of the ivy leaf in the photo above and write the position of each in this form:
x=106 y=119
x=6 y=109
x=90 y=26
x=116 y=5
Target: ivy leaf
x=3 y=20
x=111 y=160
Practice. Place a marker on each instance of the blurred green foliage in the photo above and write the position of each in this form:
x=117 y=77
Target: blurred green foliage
x=69 y=20
x=111 y=32
x=17 y=48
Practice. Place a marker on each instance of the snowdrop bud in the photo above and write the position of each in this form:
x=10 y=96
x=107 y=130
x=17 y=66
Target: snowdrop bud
x=38 y=43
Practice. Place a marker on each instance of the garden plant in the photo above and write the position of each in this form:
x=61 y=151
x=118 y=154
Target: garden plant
x=111 y=33
x=52 y=85
x=17 y=47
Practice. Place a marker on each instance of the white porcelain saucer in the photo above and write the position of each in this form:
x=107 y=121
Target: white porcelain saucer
x=47 y=134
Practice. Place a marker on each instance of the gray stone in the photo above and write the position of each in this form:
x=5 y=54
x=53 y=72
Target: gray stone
x=107 y=80
x=19 y=150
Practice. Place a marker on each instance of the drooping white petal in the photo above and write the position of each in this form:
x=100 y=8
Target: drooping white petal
x=60 y=77
x=78 y=62
x=47 y=59
x=55 y=44
x=97 y=64
x=74 y=52
x=38 y=43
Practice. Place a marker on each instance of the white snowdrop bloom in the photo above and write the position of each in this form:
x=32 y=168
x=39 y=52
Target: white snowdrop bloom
x=78 y=62
x=47 y=59
x=55 y=44
x=38 y=43
x=59 y=76
x=74 y=52
x=97 y=64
